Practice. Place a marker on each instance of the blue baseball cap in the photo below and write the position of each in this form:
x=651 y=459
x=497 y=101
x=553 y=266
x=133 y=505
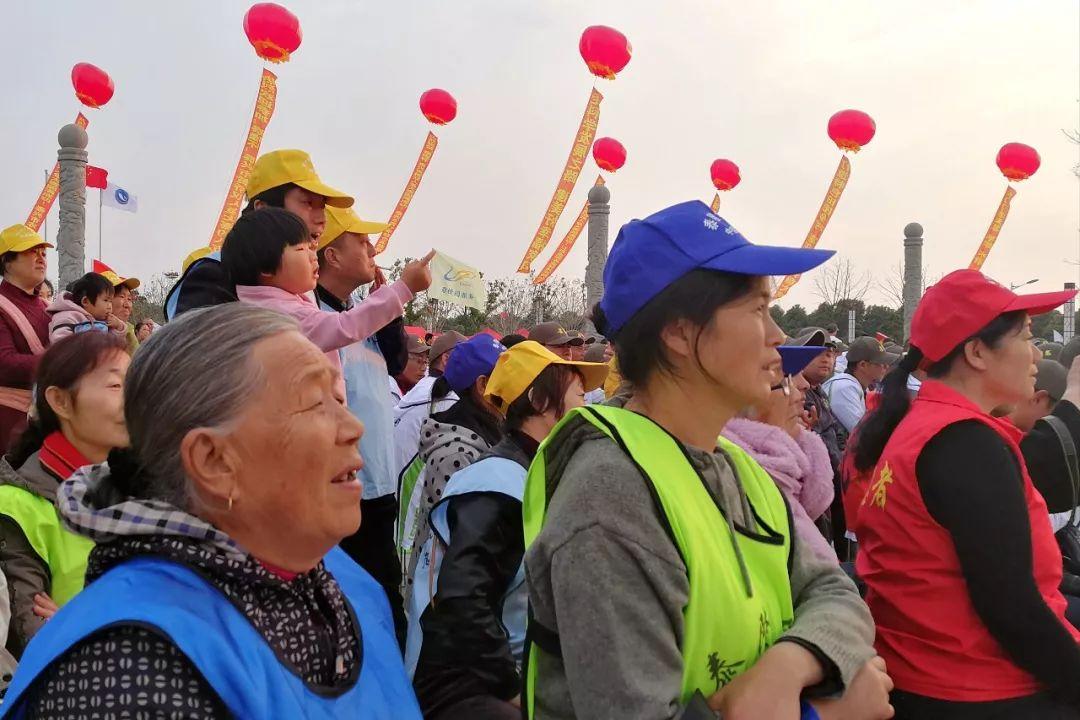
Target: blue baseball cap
x=471 y=359
x=651 y=254
x=795 y=358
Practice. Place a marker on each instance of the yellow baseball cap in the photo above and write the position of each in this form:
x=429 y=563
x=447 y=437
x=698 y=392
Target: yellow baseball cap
x=343 y=220
x=282 y=167
x=19 y=238
x=518 y=367
x=115 y=280
x=195 y=255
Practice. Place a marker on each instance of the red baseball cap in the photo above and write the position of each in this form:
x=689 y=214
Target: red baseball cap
x=963 y=303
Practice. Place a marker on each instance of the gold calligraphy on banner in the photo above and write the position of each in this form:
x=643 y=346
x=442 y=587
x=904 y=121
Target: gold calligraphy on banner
x=582 y=143
x=993 y=230
x=419 y=169
x=567 y=243
x=715 y=207
x=828 y=205
x=52 y=188
x=260 y=118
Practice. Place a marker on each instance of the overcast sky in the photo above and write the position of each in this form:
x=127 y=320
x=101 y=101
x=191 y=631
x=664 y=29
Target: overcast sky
x=947 y=83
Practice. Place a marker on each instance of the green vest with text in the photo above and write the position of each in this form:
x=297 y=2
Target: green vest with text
x=728 y=623
x=63 y=552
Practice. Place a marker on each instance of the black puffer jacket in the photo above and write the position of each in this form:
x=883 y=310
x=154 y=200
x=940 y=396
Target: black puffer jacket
x=466 y=650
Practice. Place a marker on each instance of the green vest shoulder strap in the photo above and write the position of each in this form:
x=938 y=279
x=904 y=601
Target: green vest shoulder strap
x=62 y=551
x=740 y=592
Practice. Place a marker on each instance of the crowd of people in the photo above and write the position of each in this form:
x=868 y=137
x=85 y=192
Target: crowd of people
x=280 y=504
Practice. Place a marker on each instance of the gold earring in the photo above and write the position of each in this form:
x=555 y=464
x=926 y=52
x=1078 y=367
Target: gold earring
x=230 y=502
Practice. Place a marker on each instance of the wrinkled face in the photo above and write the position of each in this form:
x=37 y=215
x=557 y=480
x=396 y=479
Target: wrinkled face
x=295 y=450
x=310 y=207
x=299 y=270
x=737 y=349
x=415 y=369
x=28 y=268
x=92 y=413
x=123 y=301
x=1009 y=369
x=353 y=256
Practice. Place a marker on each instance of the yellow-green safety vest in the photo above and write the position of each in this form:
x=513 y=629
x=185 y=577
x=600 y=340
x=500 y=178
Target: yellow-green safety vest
x=727 y=626
x=62 y=551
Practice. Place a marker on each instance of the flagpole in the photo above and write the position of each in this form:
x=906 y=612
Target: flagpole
x=99 y=224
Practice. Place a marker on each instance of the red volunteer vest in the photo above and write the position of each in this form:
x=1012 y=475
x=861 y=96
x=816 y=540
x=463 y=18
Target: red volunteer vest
x=927 y=629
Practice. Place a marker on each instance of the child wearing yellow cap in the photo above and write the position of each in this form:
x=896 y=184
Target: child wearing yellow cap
x=466 y=638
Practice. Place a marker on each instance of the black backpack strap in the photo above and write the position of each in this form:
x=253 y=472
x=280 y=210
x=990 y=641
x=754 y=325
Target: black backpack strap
x=1069 y=447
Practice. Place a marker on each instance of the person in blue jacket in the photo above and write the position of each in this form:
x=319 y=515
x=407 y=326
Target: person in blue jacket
x=467 y=644
x=216 y=588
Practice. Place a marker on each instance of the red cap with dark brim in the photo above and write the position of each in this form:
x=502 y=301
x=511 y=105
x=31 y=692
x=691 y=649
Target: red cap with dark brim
x=963 y=303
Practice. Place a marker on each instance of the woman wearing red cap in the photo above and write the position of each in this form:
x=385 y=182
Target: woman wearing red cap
x=954 y=542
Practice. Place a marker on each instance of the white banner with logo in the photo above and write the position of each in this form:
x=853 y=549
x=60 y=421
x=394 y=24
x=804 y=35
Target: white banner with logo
x=455 y=282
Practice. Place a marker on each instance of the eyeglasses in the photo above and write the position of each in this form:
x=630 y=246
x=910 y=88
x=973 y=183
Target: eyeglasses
x=784 y=385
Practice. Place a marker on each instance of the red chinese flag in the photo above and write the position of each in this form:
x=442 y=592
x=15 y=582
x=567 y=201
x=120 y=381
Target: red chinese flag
x=97 y=177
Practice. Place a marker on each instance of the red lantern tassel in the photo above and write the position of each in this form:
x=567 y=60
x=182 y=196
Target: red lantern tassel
x=715 y=207
x=260 y=118
x=992 y=232
x=828 y=205
x=48 y=193
x=422 y=162
x=563 y=249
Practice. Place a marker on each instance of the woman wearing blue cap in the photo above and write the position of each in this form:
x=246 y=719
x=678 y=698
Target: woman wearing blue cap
x=665 y=580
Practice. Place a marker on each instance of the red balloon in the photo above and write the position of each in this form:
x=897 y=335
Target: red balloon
x=851 y=129
x=273 y=31
x=725 y=174
x=605 y=50
x=609 y=154
x=93 y=86
x=1018 y=161
x=438 y=106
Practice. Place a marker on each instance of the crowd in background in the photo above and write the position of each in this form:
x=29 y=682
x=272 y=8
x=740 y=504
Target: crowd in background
x=281 y=504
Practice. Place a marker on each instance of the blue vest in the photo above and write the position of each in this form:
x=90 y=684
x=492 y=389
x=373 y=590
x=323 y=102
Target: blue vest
x=493 y=474
x=224 y=645
x=364 y=369
x=173 y=298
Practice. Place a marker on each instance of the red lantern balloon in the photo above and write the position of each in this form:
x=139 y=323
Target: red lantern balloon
x=605 y=50
x=1018 y=161
x=93 y=86
x=273 y=31
x=609 y=154
x=725 y=174
x=438 y=106
x=851 y=129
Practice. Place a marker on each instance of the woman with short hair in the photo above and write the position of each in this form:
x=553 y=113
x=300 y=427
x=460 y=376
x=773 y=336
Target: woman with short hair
x=216 y=589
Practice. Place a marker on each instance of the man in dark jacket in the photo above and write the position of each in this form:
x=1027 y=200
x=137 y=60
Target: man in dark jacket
x=282 y=178
x=346 y=263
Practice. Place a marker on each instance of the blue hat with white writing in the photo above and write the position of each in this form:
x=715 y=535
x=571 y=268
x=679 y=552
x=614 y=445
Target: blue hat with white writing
x=472 y=359
x=651 y=254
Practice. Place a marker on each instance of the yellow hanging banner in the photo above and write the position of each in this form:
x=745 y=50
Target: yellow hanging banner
x=992 y=232
x=260 y=118
x=828 y=205
x=422 y=162
x=582 y=143
x=48 y=193
x=567 y=243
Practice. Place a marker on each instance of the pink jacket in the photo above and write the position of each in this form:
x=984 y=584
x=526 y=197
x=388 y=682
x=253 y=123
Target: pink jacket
x=801 y=469
x=66 y=314
x=331 y=331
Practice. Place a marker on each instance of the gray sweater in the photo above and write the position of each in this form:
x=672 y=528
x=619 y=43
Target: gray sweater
x=607 y=578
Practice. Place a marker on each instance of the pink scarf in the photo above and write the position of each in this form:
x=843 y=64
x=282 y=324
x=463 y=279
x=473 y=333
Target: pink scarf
x=801 y=469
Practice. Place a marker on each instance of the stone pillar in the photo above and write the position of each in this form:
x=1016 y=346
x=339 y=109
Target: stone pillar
x=599 y=209
x=1069 y=311
x=913 y=279
x=71 y=238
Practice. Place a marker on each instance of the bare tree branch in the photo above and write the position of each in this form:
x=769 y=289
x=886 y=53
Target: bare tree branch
x=841 y=280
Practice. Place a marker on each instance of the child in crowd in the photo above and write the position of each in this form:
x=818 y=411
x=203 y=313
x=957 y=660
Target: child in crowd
x=270 y=256
x=85 y=307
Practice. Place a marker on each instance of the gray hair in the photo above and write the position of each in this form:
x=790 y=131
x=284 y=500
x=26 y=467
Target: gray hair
x=196 y=372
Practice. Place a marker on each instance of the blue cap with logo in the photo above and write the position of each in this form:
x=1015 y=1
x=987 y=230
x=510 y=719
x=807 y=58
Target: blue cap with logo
x=795 y=358
x=471 y=359
x=651 y=254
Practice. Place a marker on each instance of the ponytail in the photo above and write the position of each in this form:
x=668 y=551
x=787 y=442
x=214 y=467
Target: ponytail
x=439 y=390
x=876 y=429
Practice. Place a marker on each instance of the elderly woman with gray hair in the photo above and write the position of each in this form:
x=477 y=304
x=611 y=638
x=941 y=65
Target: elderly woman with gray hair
x=216 y=588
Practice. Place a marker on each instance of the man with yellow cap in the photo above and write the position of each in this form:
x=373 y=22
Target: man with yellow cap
x=24 y=324
x=346 y=263
x=282 y=178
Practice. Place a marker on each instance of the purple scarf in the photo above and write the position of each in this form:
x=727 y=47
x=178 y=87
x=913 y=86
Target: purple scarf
x=801 y=469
